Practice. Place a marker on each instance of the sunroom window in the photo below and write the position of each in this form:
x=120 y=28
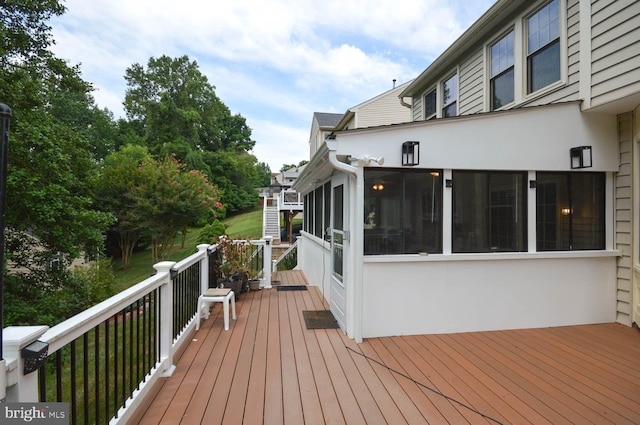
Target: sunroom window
x=450 y=97
x=489 y=211
x=570 y=211
x=402 y=211
x=502 y=81
x=543 y=47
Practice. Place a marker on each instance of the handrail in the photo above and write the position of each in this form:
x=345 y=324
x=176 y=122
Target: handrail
x=161 y=308
x=284 y=255
x=72 y=328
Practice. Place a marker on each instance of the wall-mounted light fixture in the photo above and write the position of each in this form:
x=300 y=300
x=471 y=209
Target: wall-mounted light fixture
x=565 y=211
x=581 y=157
x=410 y=153
x=378 y=186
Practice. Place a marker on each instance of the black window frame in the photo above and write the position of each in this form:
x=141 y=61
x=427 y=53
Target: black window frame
x=562 y=220
x=417 y=222
x=473 y=229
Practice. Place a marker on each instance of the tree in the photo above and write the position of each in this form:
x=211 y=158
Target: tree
x=175 y=110
x=287 y=167
x=120 y=173
x=51 y=172
x=168 y=198
x=263 y=172
x=24 y=31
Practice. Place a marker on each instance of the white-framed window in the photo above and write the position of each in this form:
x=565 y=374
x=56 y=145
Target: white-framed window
x=543 y=47
x=430 y=104
x=501 y=82
x=450 y=96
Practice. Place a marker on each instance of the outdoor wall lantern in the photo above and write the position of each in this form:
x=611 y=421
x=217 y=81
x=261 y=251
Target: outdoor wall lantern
x=35 y=356
x=410 y=153
x=581 y=157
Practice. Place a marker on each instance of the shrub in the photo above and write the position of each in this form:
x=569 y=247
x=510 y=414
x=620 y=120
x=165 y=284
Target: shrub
x=210 y=233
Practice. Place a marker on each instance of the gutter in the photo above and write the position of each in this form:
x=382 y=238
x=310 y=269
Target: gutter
x=355 y=247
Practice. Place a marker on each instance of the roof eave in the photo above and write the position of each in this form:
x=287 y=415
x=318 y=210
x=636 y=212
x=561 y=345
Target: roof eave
x=461 y=45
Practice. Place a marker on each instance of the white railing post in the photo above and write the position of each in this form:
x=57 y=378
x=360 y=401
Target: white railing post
x=266 y=266
x=264 y=215
x=204 y=268
x=20 y=387
x=166 y=317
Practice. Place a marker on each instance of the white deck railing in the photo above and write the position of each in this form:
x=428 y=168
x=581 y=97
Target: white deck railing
x=166 y=300
x=290 y=200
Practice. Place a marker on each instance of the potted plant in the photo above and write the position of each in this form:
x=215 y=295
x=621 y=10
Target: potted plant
x=233 y=268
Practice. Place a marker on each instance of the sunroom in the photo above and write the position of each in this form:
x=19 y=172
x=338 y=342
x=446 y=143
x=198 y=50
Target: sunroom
x=501 y=220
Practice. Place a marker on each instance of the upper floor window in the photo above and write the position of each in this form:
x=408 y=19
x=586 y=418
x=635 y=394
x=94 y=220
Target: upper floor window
x=450 y=97
x=543 y=47
x=502 y=83
x=430 y=108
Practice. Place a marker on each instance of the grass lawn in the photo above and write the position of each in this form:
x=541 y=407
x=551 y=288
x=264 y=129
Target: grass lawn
x=242 y=226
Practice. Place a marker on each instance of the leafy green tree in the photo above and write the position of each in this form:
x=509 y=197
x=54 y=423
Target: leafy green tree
x=175 y=110
x=263 y=177
x=168 y=199
x=51 y=217
x=235 y=174
x=120 y=173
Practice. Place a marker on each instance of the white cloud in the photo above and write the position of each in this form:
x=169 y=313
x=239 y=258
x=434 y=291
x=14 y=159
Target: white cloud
x=275 y=61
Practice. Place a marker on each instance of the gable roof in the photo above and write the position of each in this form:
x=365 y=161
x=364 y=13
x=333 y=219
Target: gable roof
x=326 y=119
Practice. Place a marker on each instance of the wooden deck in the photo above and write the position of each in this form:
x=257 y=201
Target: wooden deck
x=269 y=369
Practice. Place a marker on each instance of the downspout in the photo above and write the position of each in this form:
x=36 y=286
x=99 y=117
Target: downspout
x=356 y=247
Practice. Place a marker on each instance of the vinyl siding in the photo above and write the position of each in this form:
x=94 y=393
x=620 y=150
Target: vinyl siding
x=383 y=111
x=417 y=108
x=471 y=96
x=624 y=219
x=615 y=49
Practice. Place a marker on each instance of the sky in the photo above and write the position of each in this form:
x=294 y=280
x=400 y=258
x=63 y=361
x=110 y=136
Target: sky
x=275 y=62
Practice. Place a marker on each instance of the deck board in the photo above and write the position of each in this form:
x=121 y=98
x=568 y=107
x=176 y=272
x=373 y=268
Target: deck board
x=269 y=369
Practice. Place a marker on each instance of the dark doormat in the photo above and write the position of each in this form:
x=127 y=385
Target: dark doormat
x=319 y=319
x=291 y=288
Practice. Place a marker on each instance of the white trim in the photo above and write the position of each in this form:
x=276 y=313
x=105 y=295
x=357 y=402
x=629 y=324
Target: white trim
x=447 y=212
x=487 y=66
x=585 y=53
x=562 y=17
x=531 y=213
x=489 y=256
x=440 y=97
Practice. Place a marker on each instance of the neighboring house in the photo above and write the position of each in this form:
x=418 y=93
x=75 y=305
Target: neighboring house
x=322 y=125
x=510 y=200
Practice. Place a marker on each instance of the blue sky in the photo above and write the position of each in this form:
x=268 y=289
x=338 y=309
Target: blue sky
x=275 y=62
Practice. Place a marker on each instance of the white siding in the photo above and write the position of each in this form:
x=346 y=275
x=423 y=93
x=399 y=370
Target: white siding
x=383 y=111
x=417 y=108
x=313 y=138
x=615 y=49
x=623 y=217
x=472 y=84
